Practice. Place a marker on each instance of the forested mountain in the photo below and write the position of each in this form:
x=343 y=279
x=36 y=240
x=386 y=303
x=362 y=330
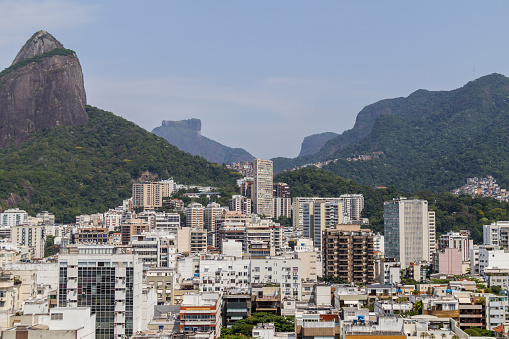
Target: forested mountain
x=429 y=140
x=186 y=135
x=89 y=168
x=452 y=212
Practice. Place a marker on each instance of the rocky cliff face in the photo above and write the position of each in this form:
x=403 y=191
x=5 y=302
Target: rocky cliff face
x=313 y=143
x=42 y=88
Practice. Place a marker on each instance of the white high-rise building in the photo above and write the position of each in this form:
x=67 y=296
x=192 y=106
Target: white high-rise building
x=353 y=204
x=278 y=270
x=496 y=234
x=263 y=188
x=13 y=217
x=409 y=231
x=106 y=280
x=320 y=214
x=240 y=203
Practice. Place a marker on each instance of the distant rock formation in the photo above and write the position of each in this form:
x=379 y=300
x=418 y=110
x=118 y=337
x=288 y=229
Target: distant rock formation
x=186 y=135
x=313 y=143
x=42 y=88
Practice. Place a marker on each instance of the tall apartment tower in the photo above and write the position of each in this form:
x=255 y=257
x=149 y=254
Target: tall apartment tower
x=409 y=231
x=353 y=204
x=149 y=195
x=106 y=280
x=194 y=215
x=348 y=253
x=263 y=187
x=210 y=213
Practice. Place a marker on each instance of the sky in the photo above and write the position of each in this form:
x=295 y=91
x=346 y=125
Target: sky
x=262 y=75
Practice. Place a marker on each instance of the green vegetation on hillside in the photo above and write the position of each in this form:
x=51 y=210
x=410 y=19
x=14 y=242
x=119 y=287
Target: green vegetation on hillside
x=430 y=140
x=90 y=168
x=37 y=58
x=452 y=212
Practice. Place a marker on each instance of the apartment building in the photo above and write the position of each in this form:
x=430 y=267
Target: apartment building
x=194 y=216
x=348 y=253
x=263 y=188
x=201 y=312
x=13 y=217
x=459 y=240
x=149 y=195
x=286 y=272
x=224 y=273
x=31 y=236
x=106 y=280
x=409 y=230
x=496 y=234
x=241 y=204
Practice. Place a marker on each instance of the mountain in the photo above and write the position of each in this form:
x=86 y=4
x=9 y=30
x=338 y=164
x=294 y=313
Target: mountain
x=65 y=157
x=42 y=88
x=313 y=143
x=429 y=140
x=186 y=135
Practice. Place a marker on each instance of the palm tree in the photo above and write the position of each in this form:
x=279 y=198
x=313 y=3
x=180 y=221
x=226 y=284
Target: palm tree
x=443 y=335
x=432 y=336
x=455 y=336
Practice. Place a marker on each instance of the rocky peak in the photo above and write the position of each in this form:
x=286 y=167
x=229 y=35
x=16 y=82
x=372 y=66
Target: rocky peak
x=40 y=43
x=42 y=88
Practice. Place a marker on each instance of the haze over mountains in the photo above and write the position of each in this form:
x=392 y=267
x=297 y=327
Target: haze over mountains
x=186 y=135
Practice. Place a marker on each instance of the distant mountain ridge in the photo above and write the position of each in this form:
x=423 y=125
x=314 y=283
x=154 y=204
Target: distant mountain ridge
x=313 y=143
x=186 y=135
x=430 y=140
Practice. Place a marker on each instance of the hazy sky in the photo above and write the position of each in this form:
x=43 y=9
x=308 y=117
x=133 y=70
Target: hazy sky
x=262 y=75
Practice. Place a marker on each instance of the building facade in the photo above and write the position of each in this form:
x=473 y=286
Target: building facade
x=263 y=188
x=348 y=253
x=107 y=281
x=409 y=231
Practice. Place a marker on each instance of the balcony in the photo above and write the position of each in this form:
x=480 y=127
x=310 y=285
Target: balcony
x=119 y=306
x=120 y=295
x=119 y=317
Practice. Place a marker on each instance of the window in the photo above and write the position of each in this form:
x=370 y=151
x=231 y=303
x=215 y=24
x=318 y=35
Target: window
x=257 y=269
x=57 y=316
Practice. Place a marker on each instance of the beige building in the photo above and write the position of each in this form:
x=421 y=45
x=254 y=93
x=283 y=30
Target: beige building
x=191 y=240
x=31 y=236
x=263 y=188
x=149 y=195
x=194 y=215
x=163 y=280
